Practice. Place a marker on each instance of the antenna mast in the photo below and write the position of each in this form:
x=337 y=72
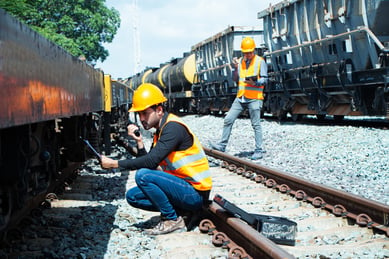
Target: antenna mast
x=136 y=37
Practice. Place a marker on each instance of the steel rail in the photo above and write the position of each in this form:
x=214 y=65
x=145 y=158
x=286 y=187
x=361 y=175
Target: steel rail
x=364 y=211
x=254 y=243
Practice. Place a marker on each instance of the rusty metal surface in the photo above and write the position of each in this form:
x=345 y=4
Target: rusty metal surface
x=254 y=243
x=40 y=81
x=320 y=232
x=317 y=194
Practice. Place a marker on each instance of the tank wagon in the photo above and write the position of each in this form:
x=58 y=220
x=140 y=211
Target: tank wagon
x=327 y=57
x=201 y=81
x=324 y=58
x=48 y=100
x=175 y=78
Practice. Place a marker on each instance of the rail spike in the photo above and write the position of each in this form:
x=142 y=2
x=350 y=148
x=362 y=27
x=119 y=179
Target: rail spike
x=239 y=170
x=339 y=210
x=300 y=195
x=224 y=164
x=271 y=183
x=220 y=239
x=238 y=252
x=207 y=226
x=318 y=202
x=363 y=220
x=232 y=167
x=284 y=188
x=259 y=178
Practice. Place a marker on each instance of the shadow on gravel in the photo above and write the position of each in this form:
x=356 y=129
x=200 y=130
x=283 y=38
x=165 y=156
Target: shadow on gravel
x=78 y=224
x=244 y=154
x=148 y=224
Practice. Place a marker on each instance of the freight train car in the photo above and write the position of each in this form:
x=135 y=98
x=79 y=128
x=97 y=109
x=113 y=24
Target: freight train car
x=48 y=100
x=327 y=57
x=201 y=81
x=215 y=90
x=324 y=58
x=175 y=78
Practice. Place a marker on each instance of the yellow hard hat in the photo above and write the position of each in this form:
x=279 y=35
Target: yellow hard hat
x=247 y=45
x=145 y=96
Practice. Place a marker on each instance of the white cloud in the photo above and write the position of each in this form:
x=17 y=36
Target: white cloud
x=167 y=29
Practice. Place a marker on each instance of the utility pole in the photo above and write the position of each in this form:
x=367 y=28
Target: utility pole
x=136 y=37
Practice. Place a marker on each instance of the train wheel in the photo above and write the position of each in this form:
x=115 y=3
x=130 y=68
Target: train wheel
x=338 y=117
x=282 y=115
x=296 y=117
x=5 y=207
x=13 y=235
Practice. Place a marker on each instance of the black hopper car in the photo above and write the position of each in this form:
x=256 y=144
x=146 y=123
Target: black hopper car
x=324 y=58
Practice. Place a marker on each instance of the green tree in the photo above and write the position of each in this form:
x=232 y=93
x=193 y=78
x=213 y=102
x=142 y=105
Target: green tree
x=78 y=26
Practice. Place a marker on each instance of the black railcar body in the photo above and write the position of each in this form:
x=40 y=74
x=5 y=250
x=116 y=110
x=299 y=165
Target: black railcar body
x=201 y=81
x=48 y=100
x=324 y=58
x=39 y=80
x=327 y=57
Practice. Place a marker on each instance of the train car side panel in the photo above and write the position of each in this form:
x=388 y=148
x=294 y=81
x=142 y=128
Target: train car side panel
x=328 y=57
x=27 y=93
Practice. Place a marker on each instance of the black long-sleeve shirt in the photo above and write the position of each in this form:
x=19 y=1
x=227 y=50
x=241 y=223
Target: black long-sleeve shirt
x=174 y=136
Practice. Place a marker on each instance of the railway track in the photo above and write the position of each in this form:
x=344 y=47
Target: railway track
x=330 y=223
x=91 y=219
x=363 y=122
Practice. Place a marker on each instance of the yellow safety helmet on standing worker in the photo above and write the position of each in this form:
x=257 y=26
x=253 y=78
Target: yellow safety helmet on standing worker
x=247 y=45
x=145 y=96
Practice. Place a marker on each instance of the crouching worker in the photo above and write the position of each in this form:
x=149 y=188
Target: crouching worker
x=174 y=175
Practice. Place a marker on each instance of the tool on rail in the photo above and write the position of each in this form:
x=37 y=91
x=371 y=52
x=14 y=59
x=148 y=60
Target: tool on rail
x=278 y=229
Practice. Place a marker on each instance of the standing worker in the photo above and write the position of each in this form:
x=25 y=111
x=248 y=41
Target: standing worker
x=175 y=174
x=251 y=75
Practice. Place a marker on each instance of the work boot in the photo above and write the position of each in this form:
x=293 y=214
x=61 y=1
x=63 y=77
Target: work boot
x=217 y=146
x=168 y=226
x=257 y=155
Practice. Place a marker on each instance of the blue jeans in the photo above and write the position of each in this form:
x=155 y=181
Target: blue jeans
x=254 y=107
x=160 y=191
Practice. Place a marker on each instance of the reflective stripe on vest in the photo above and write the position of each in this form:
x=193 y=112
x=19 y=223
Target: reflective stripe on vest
x=246 y=90
x=190 y=164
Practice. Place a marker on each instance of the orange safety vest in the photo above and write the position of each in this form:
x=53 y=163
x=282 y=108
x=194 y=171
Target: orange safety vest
x=190 y=164
x=246 y=90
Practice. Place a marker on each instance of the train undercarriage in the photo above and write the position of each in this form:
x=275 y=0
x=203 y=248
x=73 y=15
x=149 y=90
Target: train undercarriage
x=36 y=159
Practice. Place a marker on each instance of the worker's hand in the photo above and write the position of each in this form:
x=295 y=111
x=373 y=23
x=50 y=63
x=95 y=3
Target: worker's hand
x=235 y=62
x=108 y=163
x=134 y=131
x=250 y=81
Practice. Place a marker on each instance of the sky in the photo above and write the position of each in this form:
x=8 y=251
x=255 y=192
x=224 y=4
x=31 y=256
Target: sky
x=167 y=29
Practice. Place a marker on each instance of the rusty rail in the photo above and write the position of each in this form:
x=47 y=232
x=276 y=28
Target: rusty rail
x=363 y=211
x=254 y=243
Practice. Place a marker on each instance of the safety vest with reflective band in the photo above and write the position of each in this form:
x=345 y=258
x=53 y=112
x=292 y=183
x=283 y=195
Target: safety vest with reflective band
x=246 y=90
x=190 y=164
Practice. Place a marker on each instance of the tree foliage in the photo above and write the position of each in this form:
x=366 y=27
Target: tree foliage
x=78 y=26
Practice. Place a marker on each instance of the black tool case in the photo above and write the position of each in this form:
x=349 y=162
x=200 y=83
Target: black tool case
x=278 y=229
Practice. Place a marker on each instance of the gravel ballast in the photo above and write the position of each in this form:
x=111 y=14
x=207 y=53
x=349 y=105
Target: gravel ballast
x=352 y=159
